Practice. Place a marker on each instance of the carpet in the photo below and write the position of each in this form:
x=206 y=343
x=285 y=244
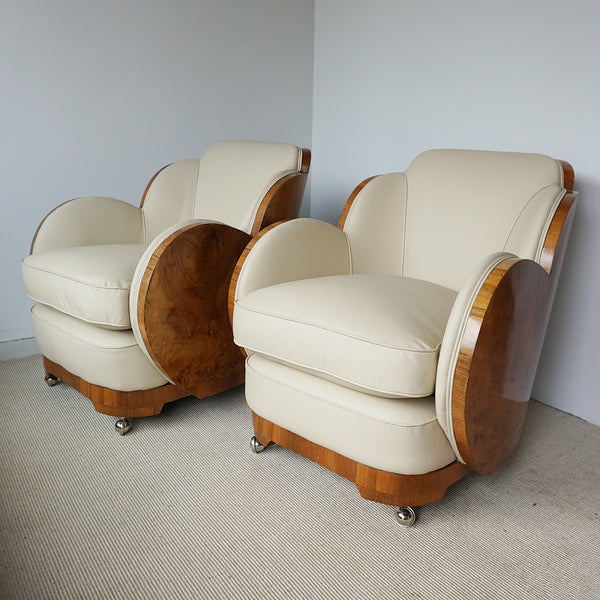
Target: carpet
x=181 y=508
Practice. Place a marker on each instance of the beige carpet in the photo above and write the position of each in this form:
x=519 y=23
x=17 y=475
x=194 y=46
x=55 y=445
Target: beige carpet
x=181 y=508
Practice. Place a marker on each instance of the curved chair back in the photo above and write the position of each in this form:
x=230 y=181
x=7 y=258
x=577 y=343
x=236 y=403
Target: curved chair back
x=226 y=185
x=450 y=209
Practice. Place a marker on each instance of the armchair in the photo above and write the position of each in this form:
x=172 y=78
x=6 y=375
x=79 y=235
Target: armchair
x=132 y=301
x=399 y=349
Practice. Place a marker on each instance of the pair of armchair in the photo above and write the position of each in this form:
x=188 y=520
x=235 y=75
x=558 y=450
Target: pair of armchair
x=131 y=302
x=399 y=348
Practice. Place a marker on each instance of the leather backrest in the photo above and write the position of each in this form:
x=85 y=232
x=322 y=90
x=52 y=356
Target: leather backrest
x=227 y=185
x=170 y=197
x=452 y=208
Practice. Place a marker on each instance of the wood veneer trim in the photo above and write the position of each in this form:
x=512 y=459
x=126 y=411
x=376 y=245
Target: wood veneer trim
x=117 y=403
x=568 y=175
x=497 y=362
x=284 y=199
x=342 y=220
x=373 y=484
x=149 y=184
x=559 y=226
x=502 y=344
x=182 y=308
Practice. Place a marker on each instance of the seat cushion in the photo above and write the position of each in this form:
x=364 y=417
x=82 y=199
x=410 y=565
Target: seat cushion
x=399 y=436
x=91 y=283
x=374 y=333
x=108 y=358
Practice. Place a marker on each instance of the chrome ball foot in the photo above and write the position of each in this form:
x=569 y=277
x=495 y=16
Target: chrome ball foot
x=406 y=516
x=256 y=445
x=123 y=426
x=51 y=380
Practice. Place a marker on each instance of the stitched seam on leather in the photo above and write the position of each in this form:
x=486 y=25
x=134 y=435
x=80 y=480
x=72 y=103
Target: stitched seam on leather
x=345 y=408
x=525 y=206
x=367 y=389
x=342 y=333
x=549 y=218
x=125 y=328
x=84 y=283
x=349 y=246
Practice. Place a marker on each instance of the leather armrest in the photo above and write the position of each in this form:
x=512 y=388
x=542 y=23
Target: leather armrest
x=297 y=249
x=492 y=346
x=178 y=305
x=89 y=221
x=453 y=336
x=489 y=359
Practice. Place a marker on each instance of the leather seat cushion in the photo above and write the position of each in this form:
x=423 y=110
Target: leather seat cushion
x=374 y=333
x=90 y=283
x=390 y=434
x=108 y=358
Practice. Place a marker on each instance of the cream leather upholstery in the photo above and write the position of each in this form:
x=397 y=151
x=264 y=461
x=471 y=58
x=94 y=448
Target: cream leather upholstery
x=90 y=283
x=399 y=436
x=374 y=333
x=90 y=255
x=353 y=333
x=110 y=359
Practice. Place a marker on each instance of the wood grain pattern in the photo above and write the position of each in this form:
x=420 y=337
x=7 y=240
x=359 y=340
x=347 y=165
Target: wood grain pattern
x=380 y=486
x=139 y=403
x=350 y=201
x=182 y=308
x=283 y=201
x=501 y=348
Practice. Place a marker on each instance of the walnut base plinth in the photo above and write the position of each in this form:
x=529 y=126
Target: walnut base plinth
x=380 y=486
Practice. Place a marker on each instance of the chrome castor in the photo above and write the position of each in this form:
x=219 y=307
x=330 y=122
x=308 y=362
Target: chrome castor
x=51 y=380
x=256 y=445
x=123 y=426
x=406 y=516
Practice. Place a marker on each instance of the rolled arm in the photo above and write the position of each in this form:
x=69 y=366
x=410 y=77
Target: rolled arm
x=489 y=357
x=492 y=346
x=89 y=221
x=297 y=249
x=178 y=305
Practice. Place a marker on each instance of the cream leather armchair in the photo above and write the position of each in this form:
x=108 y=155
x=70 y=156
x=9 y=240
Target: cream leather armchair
x=399 y=349
x=132 y=301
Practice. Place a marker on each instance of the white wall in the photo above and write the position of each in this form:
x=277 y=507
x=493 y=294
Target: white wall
x=392 y=79
x=96 y=96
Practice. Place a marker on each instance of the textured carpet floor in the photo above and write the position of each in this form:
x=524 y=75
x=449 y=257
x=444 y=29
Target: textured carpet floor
x=181 y=508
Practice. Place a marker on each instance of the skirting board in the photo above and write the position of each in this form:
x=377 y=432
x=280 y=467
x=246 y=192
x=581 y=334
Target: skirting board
x=18 y=348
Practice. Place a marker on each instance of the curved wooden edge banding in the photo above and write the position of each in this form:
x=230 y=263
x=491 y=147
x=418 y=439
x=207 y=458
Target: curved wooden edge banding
x=139 y=403
x=380 y=486
x=151 y=182
x=283 y=201
x=568 y=175
x=182 y=308
x=501 y=348
x=558 y=234
x=350 y=201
